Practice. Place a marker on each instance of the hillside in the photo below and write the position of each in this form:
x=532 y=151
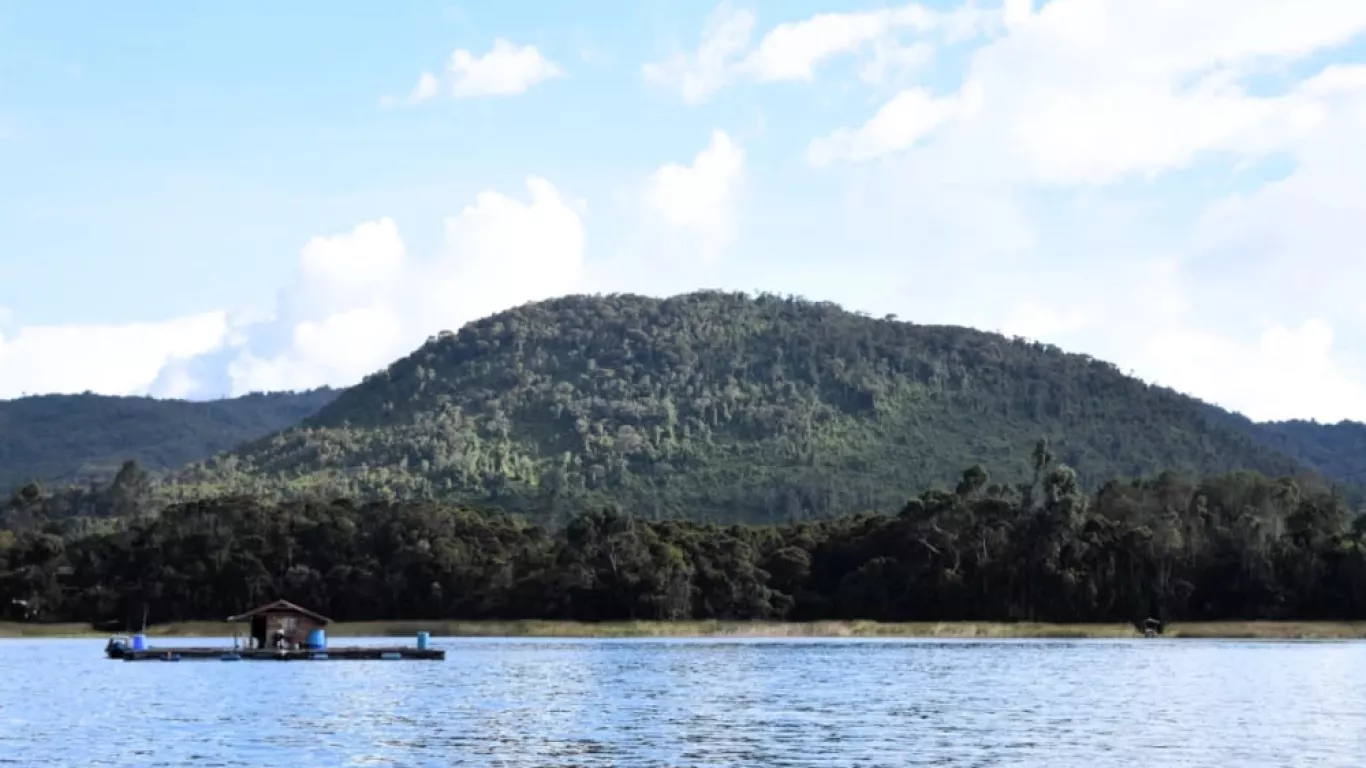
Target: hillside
x=1333 y=450
x=75 y=438
x=1336 y=451
x=722 y=406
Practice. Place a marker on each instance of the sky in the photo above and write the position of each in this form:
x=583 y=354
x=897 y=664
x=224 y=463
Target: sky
x=202 y=200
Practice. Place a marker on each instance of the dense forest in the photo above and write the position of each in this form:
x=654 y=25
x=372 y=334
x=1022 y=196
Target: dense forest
x=1235 y=546
x=721 y=407
x=84 y=438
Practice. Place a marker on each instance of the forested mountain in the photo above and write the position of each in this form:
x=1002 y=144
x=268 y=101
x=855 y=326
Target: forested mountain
x=78 y=438
x=721 y=406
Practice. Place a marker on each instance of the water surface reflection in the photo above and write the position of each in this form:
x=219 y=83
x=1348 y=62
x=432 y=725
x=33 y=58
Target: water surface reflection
x=646 y=703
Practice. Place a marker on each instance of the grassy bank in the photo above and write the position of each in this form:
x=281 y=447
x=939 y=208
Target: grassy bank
x=1268 y=630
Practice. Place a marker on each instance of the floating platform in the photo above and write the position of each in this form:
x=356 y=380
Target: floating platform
x=280 y=631
x=352 y=653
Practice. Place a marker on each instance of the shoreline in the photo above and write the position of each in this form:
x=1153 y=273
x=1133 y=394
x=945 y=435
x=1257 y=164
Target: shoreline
x=1227 y=630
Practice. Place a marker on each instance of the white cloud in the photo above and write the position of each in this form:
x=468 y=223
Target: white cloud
x=697 y=76
x=507 y=69
x=900 y=123
x=110 y=359
x=1095 y=91
x=501 y=252
x=1150 y=322
x=359 y=302
x=426 y=88
x=1017 y=12
x=1285 y=373
x=793 y=51
x=700 y=199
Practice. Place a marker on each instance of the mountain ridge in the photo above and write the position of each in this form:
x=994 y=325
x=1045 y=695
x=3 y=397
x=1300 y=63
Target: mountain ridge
x=725 y=406
x=79 y=438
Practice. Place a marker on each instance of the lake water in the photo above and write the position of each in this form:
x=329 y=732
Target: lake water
x=639 y=703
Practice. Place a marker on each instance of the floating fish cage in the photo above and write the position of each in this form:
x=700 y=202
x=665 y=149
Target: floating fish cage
x=280 y=631
x=352 y=653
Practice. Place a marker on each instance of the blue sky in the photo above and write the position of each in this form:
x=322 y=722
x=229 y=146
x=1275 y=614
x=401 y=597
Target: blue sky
x=201 y=202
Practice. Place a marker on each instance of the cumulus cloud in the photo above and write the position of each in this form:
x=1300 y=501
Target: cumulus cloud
x=507 y=69
x=106 y=359
x=1152 y=322
x=699 y=200
x=360 y=300
x=1284 y=373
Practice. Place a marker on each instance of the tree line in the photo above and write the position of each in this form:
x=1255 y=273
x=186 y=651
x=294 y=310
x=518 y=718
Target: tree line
x=1232 y=546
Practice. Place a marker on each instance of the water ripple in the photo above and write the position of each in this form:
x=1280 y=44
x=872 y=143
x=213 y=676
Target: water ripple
x=779 y=704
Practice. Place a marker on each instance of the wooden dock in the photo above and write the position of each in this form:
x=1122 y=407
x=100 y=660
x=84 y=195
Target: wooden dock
x=351 y=653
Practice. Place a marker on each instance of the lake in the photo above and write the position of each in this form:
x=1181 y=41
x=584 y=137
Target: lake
x=703 y=702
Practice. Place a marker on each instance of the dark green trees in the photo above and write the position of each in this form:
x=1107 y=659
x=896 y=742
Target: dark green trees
x=1237 y=546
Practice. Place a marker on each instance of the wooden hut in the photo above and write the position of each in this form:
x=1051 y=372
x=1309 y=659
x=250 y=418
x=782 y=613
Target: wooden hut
x=281 y=624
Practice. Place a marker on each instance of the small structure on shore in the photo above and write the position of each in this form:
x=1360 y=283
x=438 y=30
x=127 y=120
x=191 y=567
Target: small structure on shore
x=283 y=624
x=279 y=631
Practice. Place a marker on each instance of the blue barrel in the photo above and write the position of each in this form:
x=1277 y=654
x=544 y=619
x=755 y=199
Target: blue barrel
x=139 y=642
x=317 y=638
x=422 y=640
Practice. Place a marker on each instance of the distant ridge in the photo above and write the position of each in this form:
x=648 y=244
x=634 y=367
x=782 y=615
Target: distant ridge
x=1337 y=451
x=58 y=439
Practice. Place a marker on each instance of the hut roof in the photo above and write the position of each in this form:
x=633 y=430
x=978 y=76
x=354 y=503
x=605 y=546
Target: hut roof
x=281 y=606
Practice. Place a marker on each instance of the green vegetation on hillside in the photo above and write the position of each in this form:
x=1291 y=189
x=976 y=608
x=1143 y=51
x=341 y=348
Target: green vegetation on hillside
x=80 y=438
x=721 y=407
x=1237 y=546
x=1334 y=450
